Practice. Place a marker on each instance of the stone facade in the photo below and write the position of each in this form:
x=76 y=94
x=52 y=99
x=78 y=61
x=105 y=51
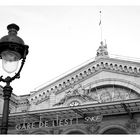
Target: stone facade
x=102 y=96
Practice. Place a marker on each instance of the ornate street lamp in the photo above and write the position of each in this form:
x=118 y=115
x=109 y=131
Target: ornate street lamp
x=12 y=50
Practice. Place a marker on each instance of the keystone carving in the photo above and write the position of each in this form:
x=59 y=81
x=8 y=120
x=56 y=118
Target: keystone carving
x=93 y=128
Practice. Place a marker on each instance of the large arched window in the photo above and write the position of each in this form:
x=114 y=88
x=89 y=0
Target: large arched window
x=111 y=93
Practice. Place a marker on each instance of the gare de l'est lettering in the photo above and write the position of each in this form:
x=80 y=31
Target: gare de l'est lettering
x=58 y=122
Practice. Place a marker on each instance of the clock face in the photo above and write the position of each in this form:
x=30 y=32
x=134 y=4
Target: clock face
x=74 y=103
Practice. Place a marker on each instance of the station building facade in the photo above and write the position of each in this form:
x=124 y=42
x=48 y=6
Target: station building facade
x=100 y=97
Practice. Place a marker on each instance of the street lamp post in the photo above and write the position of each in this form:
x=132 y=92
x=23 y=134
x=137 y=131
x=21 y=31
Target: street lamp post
x=12 y=50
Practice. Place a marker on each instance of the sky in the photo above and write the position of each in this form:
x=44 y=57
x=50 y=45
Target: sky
x=62 y=37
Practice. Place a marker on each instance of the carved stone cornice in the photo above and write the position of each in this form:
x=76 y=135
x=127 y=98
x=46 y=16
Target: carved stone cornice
x=42 y=100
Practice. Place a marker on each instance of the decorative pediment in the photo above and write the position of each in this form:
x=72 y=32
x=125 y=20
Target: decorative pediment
x=89 y=70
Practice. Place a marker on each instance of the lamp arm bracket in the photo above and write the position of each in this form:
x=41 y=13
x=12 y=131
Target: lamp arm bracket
x=17 y=75
x=1 y=79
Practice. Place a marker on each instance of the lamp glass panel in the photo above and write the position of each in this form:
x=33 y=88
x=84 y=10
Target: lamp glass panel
x=10 y=61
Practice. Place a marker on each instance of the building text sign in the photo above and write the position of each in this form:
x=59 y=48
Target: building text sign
x=56 y=123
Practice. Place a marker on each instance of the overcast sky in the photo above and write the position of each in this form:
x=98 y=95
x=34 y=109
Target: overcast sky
x=62 y=37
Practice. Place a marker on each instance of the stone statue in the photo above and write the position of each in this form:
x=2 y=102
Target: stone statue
x=102 y=50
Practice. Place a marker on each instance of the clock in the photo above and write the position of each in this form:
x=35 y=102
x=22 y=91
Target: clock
x=74 y=103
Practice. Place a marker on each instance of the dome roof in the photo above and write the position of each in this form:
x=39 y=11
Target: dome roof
x=12 y=35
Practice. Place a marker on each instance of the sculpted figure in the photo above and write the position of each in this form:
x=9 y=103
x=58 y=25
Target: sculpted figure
x=102 y=50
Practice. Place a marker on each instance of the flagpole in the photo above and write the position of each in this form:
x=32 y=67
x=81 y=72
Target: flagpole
x=100 y=24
